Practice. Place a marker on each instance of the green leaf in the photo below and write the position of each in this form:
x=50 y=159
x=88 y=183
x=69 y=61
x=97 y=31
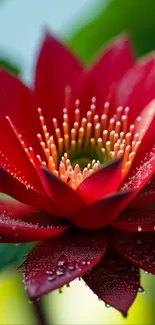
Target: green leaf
x=9 y=66
x=137 y=17
x=14 y=253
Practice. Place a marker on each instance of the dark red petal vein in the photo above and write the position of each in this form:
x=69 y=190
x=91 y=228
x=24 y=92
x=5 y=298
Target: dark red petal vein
x=114 y=280
x=59 y=260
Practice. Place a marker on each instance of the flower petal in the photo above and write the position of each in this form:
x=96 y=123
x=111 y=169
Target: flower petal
x=102 y=182
x=12 y=150
x=146 y=194
x=14 y=208
x=61 y=194
x=61 y=259
x=114 y=280
x=138 y=248
x=56 y=69
x=25 y=193
x=102 y=212
x=30 y=228
x=140 y=79
x=140 y=175
x=17 y=103
x=107 y=71
x=141 y=218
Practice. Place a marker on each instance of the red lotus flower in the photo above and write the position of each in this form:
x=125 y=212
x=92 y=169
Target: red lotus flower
x=88 y=176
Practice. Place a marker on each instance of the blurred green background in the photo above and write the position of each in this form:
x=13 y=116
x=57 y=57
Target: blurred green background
x=85 y=25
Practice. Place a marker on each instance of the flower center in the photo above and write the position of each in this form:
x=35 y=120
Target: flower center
x=74 y=153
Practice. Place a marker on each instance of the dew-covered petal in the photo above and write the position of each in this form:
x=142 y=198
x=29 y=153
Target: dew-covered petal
x=146 y=194
x=25 y=193
x=103 y=211
x=61 y=259
x=106 y=180
x=61 y=194
x=106 y=71
x=138 y=248
x=147 y=124
x=140 y=218
x=140 y=175
x=17 y=102
x=13 y=154
x=138 y=80
x=114 y=280
x=56 y=68
x=14 y=208
x=32 y=227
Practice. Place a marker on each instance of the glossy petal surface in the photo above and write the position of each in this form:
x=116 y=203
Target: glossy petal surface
x=106 y=72
x=14 y=156
x=140 y=79
x=14 y=208
x=30 y=228
x=56 y=68
x=59 y=260
x=25 y=193
x=62 y=195
x=114 y=280
x=138 y=248
x=103 y=211
x=142 y=217
x=102 y=182
x=18 y=103
x=146 y=194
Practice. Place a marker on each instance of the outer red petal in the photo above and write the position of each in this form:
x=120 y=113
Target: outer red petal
x=14 y=208
x=146 y=194
x=58 y=261
x=25 y=193
x=114 y=280
x=102 y=182
x=16 y=156
x=17 y=103
x=141 y=218
x=138 y=248
x=103 y=211
x=31 y=228
x=140 y=79
x=106 y=72
x=56 y=68
x=140 y=175
x=62 y=195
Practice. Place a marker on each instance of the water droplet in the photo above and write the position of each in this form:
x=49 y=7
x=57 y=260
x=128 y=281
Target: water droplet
x=141 y=290
x=60 y=272
x=83 y=262
x=139 y=228
x=49 y=272
x=28 y=186
x=79 y=278
x=146 y=272
x=30 y=302
x=71 y=266
x=14 y=228
x=99 y=299
x=68 y=285
x=107 y=305
x=51 y=278
x=62 y=260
